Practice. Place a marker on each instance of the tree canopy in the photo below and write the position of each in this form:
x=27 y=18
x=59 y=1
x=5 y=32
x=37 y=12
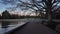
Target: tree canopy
x=39 y=5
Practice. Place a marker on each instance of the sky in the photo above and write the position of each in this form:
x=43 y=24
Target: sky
x=5 y=5
x=2 y=7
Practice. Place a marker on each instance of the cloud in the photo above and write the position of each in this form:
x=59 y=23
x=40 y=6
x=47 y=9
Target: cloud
x=16 y=3
x=8 y=2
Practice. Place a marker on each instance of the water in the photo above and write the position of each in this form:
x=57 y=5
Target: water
x=6 y=26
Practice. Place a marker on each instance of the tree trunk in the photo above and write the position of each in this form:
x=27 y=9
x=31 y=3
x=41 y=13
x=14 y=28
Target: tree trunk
x=36 y=13
x=49 y=17
x=50 y=22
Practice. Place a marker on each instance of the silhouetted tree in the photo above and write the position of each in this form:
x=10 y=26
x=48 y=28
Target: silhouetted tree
x=5 y=15
x=49 y=6
x=0 y=17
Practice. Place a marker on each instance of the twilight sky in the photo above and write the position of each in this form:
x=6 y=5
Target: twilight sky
x=4 y=4
x=3 y=7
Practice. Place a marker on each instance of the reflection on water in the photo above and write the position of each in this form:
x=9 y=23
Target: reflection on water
x=6 y=26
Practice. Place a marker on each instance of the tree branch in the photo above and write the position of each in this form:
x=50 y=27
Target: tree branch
x=55 y=5
x=57 y=9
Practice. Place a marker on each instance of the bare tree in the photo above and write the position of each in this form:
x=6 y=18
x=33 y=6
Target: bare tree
x=38 y=5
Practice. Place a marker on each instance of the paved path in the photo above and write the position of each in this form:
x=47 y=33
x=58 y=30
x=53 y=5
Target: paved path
x=34 y=28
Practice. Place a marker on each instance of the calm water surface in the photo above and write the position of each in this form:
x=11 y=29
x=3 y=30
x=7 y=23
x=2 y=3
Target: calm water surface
x=6 y=26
